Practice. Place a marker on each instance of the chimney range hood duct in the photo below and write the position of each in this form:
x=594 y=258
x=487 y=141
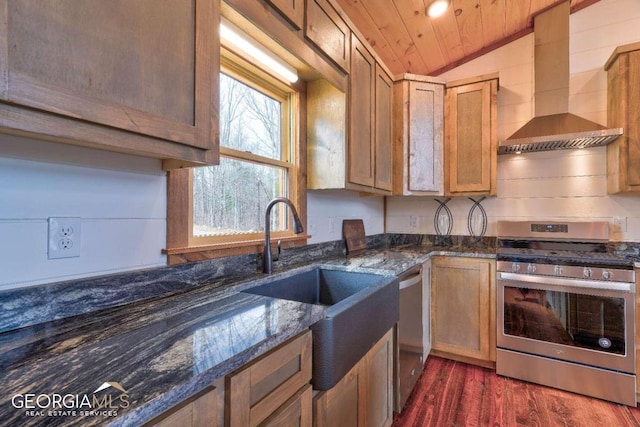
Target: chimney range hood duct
x=553 y=127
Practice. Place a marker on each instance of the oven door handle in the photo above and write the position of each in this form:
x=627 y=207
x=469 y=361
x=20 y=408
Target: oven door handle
x=570 y=283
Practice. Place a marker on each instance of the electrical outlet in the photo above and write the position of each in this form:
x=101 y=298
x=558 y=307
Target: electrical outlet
x=64 y=237
x=620 y=222
x=414 y=221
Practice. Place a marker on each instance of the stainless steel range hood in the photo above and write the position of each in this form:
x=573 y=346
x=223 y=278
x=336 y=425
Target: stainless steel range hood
x=553 y=127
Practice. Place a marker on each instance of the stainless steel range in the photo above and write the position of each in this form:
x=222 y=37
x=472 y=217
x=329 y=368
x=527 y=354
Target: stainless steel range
x=566 y=309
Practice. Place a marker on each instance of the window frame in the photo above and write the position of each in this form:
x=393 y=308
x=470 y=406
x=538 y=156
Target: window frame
x=182 y=246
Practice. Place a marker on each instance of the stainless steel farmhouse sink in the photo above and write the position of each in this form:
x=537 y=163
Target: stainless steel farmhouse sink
x=361 y=308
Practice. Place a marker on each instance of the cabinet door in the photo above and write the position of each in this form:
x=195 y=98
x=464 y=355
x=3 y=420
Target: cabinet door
x=463 y=308
x=291 y=10
x=364 y=397
x=418 y=134
x=340 y=406
x=383 y=137
x=327 y=30
x=144 y=66
x=361 y=115
x=623 y=155
x=426 y=308
x=471 y=142
x=378 y=388
x=424 y=171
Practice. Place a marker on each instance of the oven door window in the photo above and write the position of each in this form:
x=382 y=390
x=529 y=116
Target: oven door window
x=578 y=320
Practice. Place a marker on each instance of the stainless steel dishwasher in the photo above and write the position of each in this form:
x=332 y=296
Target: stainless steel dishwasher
x=413 y=330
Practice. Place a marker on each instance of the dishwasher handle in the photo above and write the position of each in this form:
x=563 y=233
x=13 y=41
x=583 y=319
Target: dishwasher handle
x=410 y=280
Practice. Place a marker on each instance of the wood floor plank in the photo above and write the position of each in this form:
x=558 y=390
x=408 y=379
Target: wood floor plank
x=453 y=394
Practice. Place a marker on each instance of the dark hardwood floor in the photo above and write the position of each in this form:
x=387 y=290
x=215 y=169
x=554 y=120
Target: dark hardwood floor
x=456 y=394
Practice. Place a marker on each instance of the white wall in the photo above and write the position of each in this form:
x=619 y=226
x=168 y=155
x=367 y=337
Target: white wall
x=121 y=201
x=328 y=208
x=558 y=185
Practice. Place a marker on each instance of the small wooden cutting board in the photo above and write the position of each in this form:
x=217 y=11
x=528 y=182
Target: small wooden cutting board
x=353 y=233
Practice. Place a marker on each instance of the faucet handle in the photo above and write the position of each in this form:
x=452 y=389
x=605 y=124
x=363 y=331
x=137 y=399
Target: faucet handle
x=275 y=256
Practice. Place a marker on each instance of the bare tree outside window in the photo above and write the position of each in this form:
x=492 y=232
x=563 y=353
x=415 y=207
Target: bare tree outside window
x=231 y=198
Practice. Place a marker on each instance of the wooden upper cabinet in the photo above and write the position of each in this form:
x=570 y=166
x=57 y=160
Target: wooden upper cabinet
x=383 y=177
x=291 y=10
x=361 y=115
x=471 y=136
x=129 y=76
x=418 y=135
x=328 y=31
x=623 y=91
x=349 y=136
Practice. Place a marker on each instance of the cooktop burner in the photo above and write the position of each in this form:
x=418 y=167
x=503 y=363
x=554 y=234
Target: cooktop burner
x=580 y=244
x=579 y=258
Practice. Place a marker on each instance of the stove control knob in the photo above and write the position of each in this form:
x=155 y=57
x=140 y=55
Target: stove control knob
x=558 y=270
x=587 y=272
x=607 y=275
x=531 y=268
x=515 y=267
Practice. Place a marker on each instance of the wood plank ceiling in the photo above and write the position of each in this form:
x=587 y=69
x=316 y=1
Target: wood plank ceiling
x=408 y=41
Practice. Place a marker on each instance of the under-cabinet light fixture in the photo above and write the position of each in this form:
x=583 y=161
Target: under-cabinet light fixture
x=437 y=8
x=235 y=38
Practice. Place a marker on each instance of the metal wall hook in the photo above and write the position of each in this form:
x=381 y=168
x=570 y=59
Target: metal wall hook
x=447 y=215
x=483 y=218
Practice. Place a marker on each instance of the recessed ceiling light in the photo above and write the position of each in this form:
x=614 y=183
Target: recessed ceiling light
x=437 y=8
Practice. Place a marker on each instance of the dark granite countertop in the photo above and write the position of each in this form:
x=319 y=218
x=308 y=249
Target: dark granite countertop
x=162 y=349
x=401 y=259
x=178 y=330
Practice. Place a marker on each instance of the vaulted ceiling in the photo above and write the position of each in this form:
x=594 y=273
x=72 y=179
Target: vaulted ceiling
x=410 y=42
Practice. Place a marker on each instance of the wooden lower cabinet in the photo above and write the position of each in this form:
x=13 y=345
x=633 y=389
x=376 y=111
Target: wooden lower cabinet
x=364 y=397
x=203 y=409
x=257 y=391
x=274 y=390
x=463 y=309
x=637 y=349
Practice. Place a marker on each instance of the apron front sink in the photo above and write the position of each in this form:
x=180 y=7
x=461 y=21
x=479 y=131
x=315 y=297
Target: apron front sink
x=361 y=308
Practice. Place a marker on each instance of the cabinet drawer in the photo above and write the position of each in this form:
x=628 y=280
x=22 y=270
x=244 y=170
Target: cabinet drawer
x=295 y=412
x=258 y=390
